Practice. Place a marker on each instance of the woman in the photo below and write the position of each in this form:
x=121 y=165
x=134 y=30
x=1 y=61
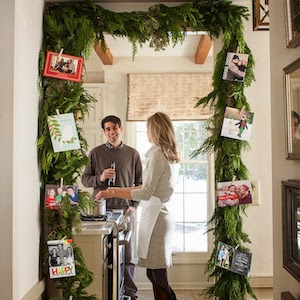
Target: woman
x=53 y=258
x=70 y=257
x=245 y=195
x=157 y=226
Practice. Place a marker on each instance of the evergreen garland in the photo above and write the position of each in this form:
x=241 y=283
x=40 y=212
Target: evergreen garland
x=77 y=27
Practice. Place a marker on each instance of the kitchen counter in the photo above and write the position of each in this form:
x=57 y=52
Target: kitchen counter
x=101 y=227
x=92 y=228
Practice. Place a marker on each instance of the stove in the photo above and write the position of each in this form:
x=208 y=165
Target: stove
x=98 y=218
x=112 y=253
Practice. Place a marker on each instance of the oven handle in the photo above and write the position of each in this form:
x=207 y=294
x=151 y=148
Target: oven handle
x=126 y=238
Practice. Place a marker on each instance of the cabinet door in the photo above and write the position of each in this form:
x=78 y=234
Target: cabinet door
x=92 y=250
x=96 y=108
x=91 y=126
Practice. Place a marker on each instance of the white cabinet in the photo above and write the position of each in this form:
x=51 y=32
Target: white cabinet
x=94 y=250
x=92 y=123
x=91 y=126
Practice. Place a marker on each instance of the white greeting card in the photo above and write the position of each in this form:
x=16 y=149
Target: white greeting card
x=61 y=258
x=237 y=124
x=63 y=132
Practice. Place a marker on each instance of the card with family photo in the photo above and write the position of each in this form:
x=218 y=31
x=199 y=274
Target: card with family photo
x=234 y=260
x=234 y=193
x=235 y=66
x=63 y=66
x=55 y=193
x=237 y=124
x=61 y=258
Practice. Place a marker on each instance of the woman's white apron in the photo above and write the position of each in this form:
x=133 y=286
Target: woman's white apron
x=149 y=214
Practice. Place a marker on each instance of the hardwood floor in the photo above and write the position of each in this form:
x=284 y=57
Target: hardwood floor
x=181 y=295
x=261 y=293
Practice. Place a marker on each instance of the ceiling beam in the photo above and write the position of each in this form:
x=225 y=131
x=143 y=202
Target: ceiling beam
x=204 y=46
x=106 y=57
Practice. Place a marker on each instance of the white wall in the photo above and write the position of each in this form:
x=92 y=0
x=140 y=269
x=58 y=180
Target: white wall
x=21 y=29
x=19 y=202
x=6 y=136
x=258 y=224
x=283 y=169
x=26 y=201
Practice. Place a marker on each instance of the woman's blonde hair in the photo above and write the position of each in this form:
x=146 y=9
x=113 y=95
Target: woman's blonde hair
x=162 y=134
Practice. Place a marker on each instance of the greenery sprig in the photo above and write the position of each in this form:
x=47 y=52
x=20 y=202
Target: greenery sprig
x=77 y=27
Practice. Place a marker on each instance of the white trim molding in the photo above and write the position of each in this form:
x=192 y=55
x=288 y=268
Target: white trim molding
x=36 y=292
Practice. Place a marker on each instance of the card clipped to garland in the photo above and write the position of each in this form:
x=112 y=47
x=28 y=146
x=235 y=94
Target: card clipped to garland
x=55 y=193
x=63 y=66
x=235 y=66
x=63 y=132
x=234 y=193
x=61 y=258
x=237 y=124
x=232 y=259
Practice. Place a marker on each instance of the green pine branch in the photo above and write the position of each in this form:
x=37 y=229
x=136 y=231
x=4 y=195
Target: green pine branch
x=77 y=27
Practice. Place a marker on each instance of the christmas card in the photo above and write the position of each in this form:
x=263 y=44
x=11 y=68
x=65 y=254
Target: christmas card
x=237 y=124
x=232 y=259
x=55 y=193
x=61 y=258
x=234 y=193
x=235 y=66
x=63 y=66
x=63 y=132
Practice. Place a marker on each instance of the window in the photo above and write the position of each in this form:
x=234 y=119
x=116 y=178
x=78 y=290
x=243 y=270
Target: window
x=191 y=193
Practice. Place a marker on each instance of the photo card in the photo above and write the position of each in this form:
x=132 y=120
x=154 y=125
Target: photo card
x=55 y=193
x=237 y=124
x=234 y=260
x=63 y=66
x=235 y=66
x=63 y=132
x=234 y=193
x=61 y=258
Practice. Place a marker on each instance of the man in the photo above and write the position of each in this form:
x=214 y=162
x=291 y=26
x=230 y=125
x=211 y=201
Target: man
x=61 y=252
x=295 y=120
x=118 y=164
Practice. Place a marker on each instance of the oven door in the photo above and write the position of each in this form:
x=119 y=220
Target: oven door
x=124 y=238
x=105 y=279
x=116 y=265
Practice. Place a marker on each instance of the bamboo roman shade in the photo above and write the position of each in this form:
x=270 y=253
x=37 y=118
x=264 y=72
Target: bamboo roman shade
x=174 y=94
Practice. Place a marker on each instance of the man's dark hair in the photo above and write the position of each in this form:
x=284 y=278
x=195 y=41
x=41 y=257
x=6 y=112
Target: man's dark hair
x=295 y=115
x=235 y=57
x=112 y=119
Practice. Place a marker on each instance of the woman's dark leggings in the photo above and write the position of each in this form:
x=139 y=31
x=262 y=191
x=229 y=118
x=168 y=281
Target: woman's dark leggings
x=161 y=288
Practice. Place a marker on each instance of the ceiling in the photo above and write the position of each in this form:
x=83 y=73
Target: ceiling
x=121 y=47
x=196 y=45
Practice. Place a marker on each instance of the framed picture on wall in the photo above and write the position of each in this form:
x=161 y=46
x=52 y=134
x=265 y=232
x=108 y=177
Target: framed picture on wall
x=292 y=109
x=291 y=226
x=62 y=66
x=292 y=22
x=260 y=13
x=287 y=296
